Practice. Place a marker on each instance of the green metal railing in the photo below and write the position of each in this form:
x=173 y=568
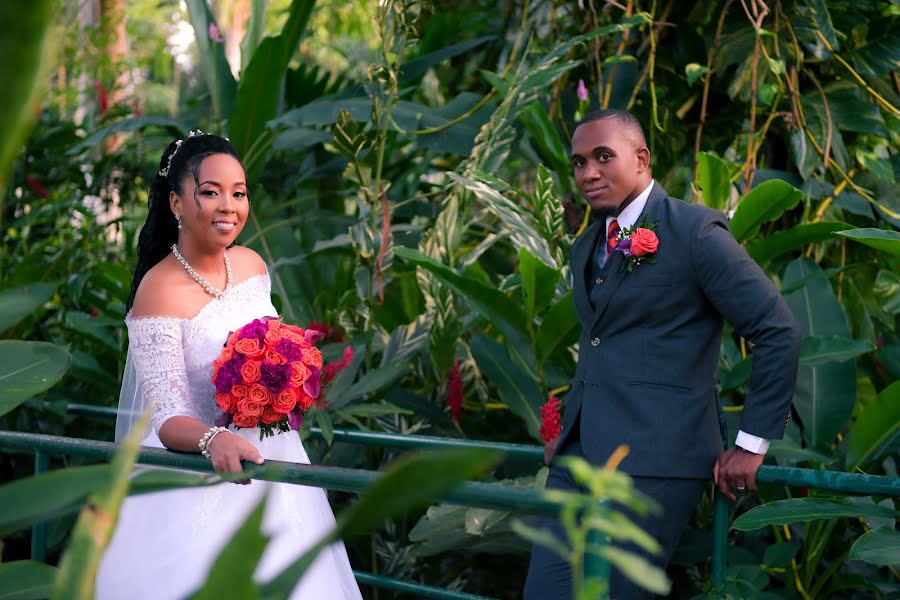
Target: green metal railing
x=474 y=494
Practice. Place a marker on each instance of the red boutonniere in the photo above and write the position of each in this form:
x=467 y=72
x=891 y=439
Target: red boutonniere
x=638 y=244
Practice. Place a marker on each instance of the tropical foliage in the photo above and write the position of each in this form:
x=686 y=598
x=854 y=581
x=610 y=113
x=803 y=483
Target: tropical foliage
x=411 y=189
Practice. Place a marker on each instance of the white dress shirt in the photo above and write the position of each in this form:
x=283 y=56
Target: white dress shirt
x=627 y=219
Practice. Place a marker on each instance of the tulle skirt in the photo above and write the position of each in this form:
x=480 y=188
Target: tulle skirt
x=166 y=542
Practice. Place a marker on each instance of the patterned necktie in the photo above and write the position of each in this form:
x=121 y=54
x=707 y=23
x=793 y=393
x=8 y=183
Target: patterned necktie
x=611 y=232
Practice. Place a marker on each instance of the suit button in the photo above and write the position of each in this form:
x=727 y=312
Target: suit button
x=599 y=280
x=595 y=342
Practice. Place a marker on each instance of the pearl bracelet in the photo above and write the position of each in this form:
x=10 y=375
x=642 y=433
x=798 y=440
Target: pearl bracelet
x=208 y=438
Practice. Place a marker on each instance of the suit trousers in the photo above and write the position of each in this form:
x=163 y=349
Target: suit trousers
x=549 y=575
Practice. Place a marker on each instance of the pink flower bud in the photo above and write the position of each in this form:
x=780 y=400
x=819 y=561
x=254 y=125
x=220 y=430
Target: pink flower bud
x=581 y=91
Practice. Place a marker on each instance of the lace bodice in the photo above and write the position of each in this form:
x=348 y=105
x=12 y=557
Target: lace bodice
x=172 y=357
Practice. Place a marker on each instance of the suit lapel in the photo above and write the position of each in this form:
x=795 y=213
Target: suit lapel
x=614 y=276
x=580 y=258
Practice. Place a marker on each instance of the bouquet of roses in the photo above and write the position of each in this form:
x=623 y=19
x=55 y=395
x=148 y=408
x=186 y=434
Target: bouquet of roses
x=267 y=375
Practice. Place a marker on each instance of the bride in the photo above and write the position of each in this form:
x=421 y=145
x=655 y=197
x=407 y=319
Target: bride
x=191 y=288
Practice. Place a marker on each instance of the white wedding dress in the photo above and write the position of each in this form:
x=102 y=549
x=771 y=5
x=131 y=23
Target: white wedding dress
x=165 y=543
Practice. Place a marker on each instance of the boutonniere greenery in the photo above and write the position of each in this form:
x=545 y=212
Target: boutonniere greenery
x=638 y=244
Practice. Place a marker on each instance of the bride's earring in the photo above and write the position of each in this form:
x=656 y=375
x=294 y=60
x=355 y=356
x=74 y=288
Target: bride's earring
x=178 y=218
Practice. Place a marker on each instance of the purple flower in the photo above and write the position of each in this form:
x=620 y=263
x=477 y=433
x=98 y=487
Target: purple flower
x=274 y=377
x=625 y=247
x=313 y=336
x=313 y=385
x=223 y=420
x=214 y=34
x=289 y=350
x=295 y=418
x=230 y=373
x=255 y=329
x=582 y=91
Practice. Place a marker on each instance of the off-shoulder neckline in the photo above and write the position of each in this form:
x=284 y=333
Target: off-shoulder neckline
x=232 y=290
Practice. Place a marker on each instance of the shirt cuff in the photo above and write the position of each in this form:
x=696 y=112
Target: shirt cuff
x=752 y=443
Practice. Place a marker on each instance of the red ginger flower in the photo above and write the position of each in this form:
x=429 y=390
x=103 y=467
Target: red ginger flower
x=454 y=391
x=332 y=334
x=333 y=368
x=550 y=426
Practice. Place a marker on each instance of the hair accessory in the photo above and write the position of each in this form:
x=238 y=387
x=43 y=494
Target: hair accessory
x=165 y=172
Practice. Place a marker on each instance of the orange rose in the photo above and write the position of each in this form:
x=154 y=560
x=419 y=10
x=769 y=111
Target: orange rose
x=232 y=339
x=249 y=347
x=285 y=401
x=270 y=415
x=250 y=371
x=643 y=241
x=245 y=421
x=225 y=402
x=272 y=337
x=312 y=356
x=299 y=373
x=274 y=357
x=240 y=391
x=259 y=394
x=249 y=408
x=227 y=354
x=273 y=324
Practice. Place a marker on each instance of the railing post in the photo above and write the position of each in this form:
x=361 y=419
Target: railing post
x=720 y=542
x=596 y=566
x=39 y=531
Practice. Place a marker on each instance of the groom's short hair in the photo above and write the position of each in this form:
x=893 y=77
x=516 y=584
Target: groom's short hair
x=626 y=121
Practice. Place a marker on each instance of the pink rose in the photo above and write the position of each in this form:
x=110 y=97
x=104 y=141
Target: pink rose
x=643 y=241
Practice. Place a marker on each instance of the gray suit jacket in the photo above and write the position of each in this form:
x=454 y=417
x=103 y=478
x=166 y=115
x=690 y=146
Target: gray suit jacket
x=649 y=348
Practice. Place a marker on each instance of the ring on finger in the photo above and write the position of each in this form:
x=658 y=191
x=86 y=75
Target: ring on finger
x=740 y=488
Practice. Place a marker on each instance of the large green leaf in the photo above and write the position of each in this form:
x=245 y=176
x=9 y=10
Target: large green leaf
x=496 y=306
x=411 y=482
x=18 y=303
x=219 y=80
x=516 y=388
x=797 y=510
x=255 y=30
x=819 y=350
x=173 y=126
x=825 y=393
x=258 y=95
x=27 y=51
x=713 y=179
x=880 y=239
x=766 y=202
x=880 y=546
x=538 y=282
x=28 y=368
x=795 y=238
x=96 y=523
x=559 y=325
x=371 y=382
x=546 y=137
x=418 y=66
x=876 y=428
x=42 y=497
x=26 y=580
x=231 y=576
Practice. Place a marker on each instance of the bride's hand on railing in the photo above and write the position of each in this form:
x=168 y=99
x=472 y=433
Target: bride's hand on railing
x=227 y=450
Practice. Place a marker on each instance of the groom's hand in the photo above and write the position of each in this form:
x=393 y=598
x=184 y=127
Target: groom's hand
x=735 y=470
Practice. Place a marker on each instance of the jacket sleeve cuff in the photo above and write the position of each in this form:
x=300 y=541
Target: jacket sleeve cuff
x=752 y=443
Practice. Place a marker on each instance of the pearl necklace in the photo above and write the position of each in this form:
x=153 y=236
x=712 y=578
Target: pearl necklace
x=212 y=291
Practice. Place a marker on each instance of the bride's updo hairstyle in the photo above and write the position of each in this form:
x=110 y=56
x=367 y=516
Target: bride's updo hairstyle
x=181 y=159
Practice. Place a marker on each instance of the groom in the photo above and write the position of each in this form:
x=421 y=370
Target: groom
x=649 y=347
